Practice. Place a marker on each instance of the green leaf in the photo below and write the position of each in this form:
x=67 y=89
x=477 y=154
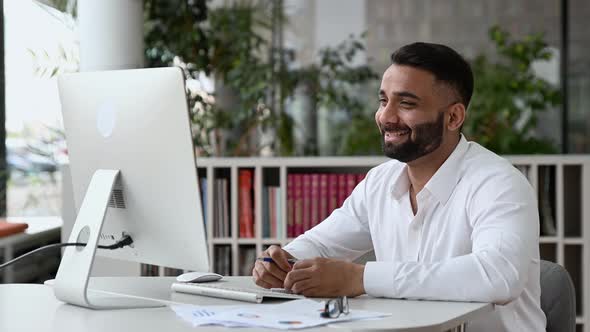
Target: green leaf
x=504 y=93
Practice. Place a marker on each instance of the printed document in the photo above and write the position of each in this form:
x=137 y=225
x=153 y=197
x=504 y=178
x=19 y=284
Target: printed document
x=296 y=314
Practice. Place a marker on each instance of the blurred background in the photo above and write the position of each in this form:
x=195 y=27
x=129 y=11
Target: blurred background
x=291 y=77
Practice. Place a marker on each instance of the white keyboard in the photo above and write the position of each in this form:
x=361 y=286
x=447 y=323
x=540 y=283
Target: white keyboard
x=220 y=290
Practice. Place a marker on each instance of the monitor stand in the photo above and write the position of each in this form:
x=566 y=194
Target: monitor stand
x=71 y=281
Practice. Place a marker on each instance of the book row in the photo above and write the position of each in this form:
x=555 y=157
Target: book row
x=310 y=199
x=223 y=260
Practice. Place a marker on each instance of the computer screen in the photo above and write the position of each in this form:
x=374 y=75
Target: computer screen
x=133 y=171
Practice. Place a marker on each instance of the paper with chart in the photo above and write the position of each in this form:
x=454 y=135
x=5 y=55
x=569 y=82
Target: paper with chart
x=203 y=315
x=297 y=314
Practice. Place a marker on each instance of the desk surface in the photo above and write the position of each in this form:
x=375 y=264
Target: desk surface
x=29 y=307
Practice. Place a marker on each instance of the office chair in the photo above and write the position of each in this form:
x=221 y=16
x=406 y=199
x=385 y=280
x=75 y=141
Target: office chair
x=558 y=298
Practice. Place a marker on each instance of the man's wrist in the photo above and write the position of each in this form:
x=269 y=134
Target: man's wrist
x=358 y=284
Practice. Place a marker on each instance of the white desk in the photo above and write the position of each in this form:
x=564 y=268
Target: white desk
x=29 y=307
x=40 y=229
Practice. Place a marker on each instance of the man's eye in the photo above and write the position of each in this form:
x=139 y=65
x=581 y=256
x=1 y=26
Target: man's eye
x=382 y=101
x=406 y=104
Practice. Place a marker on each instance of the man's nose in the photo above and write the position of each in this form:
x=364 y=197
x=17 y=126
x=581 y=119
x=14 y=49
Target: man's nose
x=387 y=114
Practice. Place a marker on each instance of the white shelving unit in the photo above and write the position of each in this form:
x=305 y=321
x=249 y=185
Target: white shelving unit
x=279 y=167
x=562 y=183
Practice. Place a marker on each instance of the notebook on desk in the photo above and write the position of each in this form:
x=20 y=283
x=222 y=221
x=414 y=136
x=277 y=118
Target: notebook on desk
x=226 y=290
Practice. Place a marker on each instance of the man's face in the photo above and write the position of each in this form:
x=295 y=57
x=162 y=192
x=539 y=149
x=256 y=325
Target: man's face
x=411 y=113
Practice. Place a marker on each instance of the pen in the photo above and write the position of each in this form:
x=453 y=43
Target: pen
x=270 y=260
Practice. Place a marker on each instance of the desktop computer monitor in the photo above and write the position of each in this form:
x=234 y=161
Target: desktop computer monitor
x=134 y=173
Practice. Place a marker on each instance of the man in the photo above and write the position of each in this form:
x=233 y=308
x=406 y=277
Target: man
x=447 y=219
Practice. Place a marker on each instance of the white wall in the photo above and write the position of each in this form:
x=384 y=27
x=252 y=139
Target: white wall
x=336 y=20
x=111 y=34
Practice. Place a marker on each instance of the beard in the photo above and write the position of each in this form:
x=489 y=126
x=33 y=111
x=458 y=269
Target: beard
x=427 y=138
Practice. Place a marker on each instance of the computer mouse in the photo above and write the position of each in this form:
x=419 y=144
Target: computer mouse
x=198 y=277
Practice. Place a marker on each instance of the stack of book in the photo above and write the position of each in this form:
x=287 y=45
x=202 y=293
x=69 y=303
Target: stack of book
x=11 y=228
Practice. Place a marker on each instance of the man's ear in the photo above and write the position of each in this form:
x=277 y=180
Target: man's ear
x=456 y=117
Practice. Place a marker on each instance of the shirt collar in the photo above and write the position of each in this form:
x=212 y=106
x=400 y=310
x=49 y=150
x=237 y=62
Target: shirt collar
x=442 y=183
x=401 y=185
x=444 y=180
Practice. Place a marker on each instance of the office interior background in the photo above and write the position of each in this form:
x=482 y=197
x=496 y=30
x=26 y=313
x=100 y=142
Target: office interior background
x=299 y=78
x=309 y=118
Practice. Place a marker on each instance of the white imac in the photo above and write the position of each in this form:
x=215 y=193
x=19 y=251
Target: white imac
x=133 y=172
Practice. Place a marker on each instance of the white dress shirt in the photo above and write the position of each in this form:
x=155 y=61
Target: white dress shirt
x=475 y=237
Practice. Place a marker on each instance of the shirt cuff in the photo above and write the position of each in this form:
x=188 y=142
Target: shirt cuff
x=378 y=279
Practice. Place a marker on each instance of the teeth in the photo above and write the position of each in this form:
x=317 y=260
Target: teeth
x=399 y=133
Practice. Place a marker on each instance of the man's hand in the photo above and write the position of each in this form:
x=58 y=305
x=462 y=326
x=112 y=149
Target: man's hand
x=324 y=277
x=272 y=274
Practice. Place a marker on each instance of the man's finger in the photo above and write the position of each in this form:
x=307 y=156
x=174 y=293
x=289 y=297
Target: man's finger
x=297 y=275
x=263 y=279
x=299 y=287
x=258 y=280
x=267 y=276
x=313 y=292
x=303 y=264
x=273 y=269
x=280 y=258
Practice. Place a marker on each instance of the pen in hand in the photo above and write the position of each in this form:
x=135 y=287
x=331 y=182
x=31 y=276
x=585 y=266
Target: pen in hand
x=270 y=260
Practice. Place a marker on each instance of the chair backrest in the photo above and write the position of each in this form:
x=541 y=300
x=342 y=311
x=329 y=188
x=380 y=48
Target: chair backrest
x=558 y=298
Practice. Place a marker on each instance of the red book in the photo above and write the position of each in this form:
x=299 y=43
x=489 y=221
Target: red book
x=341 y=189
x=323 y=197
x=298 y=206
x=306 y=190
x=332 y=192
x=10 y=228
x=360 y=177
x=290 y=205
x=350 y=183
x=246 y=211
x=315 y=200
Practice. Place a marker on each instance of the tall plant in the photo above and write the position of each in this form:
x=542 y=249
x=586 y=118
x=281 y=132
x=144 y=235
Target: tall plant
x=339 y=85
x=233 y=44
x=509 y=96
x=227 y=43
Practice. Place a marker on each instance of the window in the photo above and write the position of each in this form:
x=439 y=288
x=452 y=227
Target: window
x=39 y=43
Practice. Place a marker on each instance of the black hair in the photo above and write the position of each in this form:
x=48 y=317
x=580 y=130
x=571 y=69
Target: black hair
x=443 y=62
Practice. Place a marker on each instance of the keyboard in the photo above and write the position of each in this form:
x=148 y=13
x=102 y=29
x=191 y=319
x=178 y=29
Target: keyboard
x=248 y=294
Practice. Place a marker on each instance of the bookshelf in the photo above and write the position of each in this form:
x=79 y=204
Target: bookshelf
x=562 y=183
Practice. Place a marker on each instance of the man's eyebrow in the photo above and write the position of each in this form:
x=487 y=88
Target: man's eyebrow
x=406 y=94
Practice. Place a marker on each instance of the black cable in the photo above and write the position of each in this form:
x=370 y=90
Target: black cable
x=125 y=241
